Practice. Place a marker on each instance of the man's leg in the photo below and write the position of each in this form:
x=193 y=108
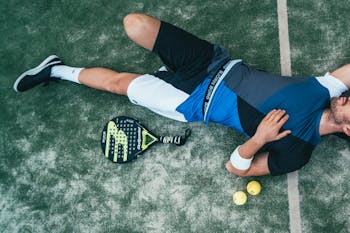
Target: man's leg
x=142 y=29
x=186 y=56
x=52 y=67
x=106 y=80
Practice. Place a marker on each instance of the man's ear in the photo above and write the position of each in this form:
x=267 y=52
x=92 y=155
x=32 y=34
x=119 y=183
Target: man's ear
x=346 y=129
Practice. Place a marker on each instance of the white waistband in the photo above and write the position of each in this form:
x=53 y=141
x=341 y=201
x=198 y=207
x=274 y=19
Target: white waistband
x=227 y=69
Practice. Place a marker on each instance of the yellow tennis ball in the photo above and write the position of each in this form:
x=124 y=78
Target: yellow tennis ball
x=239 y=198
x=253 y=187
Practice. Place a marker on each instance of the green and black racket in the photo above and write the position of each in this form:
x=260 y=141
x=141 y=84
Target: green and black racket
x=123 y=139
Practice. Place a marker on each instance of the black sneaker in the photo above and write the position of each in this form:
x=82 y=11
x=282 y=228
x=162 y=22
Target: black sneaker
x=37 y=75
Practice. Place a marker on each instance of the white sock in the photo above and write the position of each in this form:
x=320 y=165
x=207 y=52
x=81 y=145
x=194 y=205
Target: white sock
x=66 y=73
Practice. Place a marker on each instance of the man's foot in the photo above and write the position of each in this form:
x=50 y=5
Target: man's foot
x=37 y=75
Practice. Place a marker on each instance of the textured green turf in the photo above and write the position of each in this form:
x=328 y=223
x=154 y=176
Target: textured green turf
x=319 y=35
x=53 y=177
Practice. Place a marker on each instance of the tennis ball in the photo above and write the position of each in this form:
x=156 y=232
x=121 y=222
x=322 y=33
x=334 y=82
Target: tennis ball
x=239 y=198
x=253 y=187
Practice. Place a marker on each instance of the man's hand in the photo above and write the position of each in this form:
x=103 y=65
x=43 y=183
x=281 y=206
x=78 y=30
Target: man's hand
x=269 y=127
x=267 y=131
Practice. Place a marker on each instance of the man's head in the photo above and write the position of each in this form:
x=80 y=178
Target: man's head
x=340 y=110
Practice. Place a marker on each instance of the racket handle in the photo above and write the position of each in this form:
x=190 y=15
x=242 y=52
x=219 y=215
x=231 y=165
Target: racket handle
x=177 y=140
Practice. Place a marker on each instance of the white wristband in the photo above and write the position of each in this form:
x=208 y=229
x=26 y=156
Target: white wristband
x=238 y=162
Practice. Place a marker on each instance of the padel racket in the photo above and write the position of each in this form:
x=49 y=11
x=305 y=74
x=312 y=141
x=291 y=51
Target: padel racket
x=123 y=139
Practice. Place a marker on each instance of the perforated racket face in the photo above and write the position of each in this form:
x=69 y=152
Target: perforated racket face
x=124 y=138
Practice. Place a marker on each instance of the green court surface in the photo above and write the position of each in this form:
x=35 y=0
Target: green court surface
x=53 y=176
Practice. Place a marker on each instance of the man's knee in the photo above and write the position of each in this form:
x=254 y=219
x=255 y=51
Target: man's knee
x=133 y=24
x=119 y=83
x=142 y=29
x=114 y=85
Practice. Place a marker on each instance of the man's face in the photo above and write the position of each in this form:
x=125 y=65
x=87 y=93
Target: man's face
x=340 y=108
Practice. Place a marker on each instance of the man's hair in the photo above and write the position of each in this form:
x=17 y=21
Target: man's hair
x=345 y=93
x=342 y=136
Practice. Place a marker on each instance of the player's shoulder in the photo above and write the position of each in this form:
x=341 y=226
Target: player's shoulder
x=334 y=85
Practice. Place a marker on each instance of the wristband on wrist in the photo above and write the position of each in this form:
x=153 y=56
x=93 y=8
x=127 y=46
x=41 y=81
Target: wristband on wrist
x=239 y=162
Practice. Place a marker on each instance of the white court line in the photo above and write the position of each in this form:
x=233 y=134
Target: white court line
x=293 y=201
x=284 y=37
x=292 y=178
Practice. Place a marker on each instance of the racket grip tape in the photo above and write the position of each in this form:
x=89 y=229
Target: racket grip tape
x=178 y=140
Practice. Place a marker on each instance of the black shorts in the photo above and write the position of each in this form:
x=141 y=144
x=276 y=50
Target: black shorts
x=186 y=56
x=189 y=62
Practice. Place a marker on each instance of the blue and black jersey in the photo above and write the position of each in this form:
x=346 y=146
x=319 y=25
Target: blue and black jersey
x=246 y=95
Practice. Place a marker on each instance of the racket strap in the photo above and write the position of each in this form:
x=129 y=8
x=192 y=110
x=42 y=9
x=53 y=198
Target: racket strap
x=172 y=140
x=178 y=140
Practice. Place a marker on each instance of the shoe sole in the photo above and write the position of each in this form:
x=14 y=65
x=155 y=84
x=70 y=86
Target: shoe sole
x=36 y=70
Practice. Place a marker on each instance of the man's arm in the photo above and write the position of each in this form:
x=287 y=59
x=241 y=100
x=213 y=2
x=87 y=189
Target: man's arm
x=259 y=166
x=267 y=131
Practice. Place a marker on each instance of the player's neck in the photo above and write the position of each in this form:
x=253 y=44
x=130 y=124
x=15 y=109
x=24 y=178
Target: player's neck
x=328 y=124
